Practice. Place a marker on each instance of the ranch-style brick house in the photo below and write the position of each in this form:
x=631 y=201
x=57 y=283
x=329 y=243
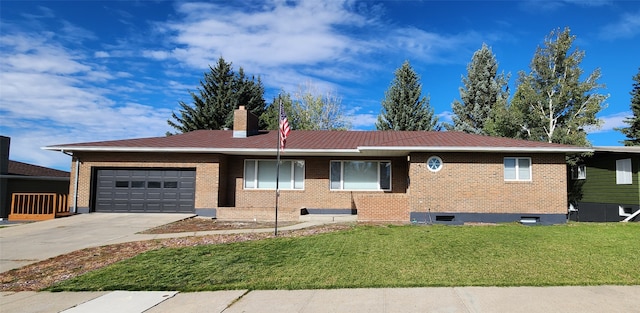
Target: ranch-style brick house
x=406 y=176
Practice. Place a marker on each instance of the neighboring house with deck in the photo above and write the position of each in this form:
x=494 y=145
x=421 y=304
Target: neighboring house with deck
x=607 y=185
x=30 y=192
x=447 y=177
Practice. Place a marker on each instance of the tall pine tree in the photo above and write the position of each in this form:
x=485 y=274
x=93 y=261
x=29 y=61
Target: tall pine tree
x=552 y=103
x=404 y=107
x=484 y=92
x=633 y=131
x=221 y=91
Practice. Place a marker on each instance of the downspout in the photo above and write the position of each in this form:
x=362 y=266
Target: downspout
x=75 y=183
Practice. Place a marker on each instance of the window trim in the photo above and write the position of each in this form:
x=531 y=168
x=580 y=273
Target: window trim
x=378 y=162
x=624 y=172
x=517 y=170
x=579 y=172
x=438 y=159
x=255 y=174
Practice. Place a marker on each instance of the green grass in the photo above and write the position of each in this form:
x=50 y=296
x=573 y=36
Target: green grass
x=389 y=256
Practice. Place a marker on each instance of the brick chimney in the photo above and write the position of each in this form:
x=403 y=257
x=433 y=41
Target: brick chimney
x=245 y=123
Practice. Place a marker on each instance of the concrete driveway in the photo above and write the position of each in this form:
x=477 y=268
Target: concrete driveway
x=24 y=244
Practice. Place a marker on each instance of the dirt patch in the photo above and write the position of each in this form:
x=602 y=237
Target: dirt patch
x=195 y=224
x=51 y=271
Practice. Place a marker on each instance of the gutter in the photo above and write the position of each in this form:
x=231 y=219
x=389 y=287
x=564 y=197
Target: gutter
x=479 y=149
x=50 y=178
x=358 y=150
x=75 y=182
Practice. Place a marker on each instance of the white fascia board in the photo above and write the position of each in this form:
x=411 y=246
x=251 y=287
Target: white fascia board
x=233 y=151
x=324 y=152
x=480 y=149
x=622 y=149
x=21 y=177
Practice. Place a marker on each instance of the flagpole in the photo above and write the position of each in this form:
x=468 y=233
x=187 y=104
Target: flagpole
x=278 y=169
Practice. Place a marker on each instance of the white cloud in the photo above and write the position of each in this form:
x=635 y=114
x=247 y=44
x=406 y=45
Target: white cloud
x=628 y=26
x=53 y=95
x=366 y=121
x=156 y=55
x=287 y=42
x=446 y=116
x=101 y=54
x=281 y=33
x=610 y=122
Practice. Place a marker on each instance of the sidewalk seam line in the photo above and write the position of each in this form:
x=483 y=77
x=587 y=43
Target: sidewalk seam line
x=469 y=309
x=236 y=300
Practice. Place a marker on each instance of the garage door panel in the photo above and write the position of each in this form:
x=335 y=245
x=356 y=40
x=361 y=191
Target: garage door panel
x=187 y=185
x=140 y=190
x=170 y=195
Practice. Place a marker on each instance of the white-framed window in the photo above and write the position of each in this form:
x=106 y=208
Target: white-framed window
x=517 y=169
x=434 y=163
x=360 y=175
x=579 y=172
x=261 y=174
x=623 y=172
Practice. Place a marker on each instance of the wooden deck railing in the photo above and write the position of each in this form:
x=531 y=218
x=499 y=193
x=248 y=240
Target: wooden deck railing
x=37 y=206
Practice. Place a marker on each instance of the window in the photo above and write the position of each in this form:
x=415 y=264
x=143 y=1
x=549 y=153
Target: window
x=154 y=184
x=360 y=175
x=137 y=184
x=261 y=174
x=578 y=172
x=517 y=169
x=434 y=163
x=171 y=184
x=122 y=184
x=623 y=172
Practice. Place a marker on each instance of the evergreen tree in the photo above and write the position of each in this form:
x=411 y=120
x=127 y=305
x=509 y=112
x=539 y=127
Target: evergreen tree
x=404 y=107
x=271 y=116
x=633 y=131
x=484 y=93
x=551 y=103
x=221 y=92
x=250 y=93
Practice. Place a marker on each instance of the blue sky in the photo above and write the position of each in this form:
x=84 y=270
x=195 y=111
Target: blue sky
x=76 y=71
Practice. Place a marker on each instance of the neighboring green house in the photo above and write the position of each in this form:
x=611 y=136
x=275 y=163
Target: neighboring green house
x=607 y=186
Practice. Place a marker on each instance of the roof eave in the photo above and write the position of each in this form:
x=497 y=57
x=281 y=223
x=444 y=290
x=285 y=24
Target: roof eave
x=568 y=150
x=365 y=150
x=229 y=151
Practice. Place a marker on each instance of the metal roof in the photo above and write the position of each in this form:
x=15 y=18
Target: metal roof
x=300 y=142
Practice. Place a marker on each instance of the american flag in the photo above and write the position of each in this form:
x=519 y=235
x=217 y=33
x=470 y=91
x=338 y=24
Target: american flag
x=284 y=127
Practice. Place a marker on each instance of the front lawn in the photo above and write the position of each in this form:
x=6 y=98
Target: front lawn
x=389 y=256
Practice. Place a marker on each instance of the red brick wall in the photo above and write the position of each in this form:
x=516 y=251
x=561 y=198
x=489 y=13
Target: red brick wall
x=383 y=207
x=316 y=193
x=258 y=213
x=469 y=183
x=474 y=183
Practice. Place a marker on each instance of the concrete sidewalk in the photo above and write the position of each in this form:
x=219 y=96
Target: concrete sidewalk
x=449 y=299
x=24 y=244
